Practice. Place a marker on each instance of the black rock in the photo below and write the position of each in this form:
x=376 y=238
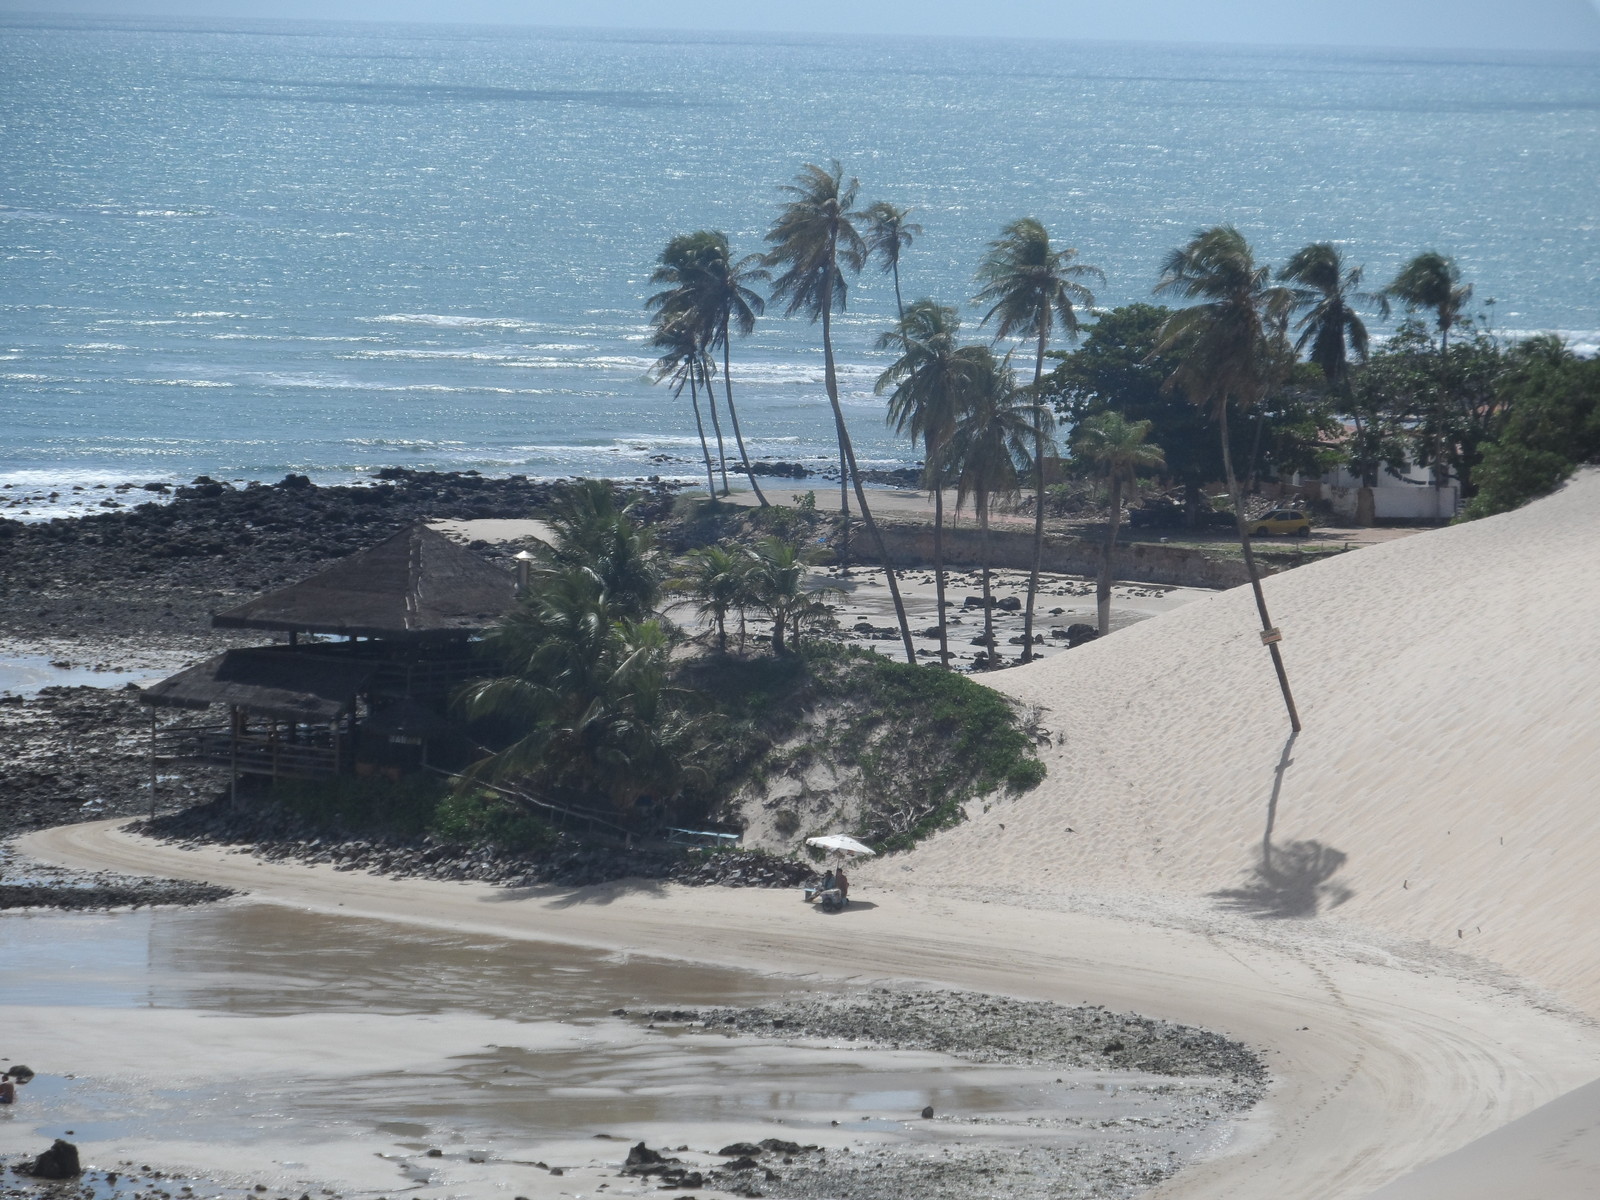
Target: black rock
x=58 y=1162
x=740 y=1150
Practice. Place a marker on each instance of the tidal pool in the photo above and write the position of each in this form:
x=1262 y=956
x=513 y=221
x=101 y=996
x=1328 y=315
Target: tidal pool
x=253 y=1040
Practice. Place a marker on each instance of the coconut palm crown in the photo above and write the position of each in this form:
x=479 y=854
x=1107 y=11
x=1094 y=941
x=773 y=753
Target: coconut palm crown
x=1115 y=449
x=890 y=232
x=812 y=239
x=1430 y=281
x=1225 y=337
x=930 y=380
x=1030 y=285
x=1330 y=325
x=984 y=452
x=712 y=289
x=1230 y=347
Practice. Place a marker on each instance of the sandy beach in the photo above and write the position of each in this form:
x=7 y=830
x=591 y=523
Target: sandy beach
x=1392 y=908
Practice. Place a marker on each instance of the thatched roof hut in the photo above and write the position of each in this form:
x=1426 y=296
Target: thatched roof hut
x=274 y=682
x=417 y=586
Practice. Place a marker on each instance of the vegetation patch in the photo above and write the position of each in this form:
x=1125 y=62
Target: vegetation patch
x=912 y=744
x=415 y=806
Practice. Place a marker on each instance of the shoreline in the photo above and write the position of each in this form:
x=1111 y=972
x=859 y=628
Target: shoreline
x=1355 y=1038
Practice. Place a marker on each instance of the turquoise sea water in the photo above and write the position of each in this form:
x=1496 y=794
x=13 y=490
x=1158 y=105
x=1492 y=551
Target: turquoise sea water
x=243 y=249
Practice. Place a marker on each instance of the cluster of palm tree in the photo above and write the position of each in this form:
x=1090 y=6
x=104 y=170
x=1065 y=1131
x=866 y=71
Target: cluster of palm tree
x=585 y=693
x=772 y=578
x=818 y=240
x=983 y=434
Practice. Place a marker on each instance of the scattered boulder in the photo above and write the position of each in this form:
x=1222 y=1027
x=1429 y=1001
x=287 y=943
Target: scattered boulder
x=1008 y=603
x=58 y=1162
x=1080 y=633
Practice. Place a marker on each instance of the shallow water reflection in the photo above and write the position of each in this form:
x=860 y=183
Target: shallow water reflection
x=259 y=1025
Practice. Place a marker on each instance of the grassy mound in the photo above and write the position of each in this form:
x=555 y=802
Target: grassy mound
x=912 y=744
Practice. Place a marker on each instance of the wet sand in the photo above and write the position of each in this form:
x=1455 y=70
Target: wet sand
x=261 y=1042
x=1380 y=1058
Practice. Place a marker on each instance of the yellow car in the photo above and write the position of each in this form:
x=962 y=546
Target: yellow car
x=1282 y=520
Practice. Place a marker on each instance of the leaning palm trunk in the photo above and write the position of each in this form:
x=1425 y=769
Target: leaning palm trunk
x=1441 y=472
x=733 y=415
x=1250 y=568
x=938 y=559
x=847 y=456
x=705 y=447
x=1103 y=584
x=1038 y=501
x=716 y=424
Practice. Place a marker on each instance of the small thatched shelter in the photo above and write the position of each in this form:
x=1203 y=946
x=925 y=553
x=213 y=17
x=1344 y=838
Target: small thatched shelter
x=417 y=586
x=407 y=611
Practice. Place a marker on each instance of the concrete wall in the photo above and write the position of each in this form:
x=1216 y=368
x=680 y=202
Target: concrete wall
x=1136 y=562
x=1399 y=502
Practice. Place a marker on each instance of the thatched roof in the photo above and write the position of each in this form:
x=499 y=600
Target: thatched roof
x=418 y=585
x=275 y=682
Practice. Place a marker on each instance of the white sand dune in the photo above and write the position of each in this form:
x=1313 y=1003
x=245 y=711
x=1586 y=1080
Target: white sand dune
x=1433 y=844
x=1446 y=783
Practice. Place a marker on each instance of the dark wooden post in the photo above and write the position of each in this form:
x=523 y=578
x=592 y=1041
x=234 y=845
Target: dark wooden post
x=152 y=762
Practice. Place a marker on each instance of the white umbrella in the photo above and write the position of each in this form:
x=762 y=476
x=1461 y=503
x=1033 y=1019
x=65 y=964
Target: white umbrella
x=841 y=843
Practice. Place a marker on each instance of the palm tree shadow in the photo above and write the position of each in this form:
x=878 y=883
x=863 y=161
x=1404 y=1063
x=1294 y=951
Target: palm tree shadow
x=1291 y=880
x=561 y=896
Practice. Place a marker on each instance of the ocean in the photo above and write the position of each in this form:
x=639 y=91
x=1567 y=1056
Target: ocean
x=243 y=249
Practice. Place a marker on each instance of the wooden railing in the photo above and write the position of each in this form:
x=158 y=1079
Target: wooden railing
x=249 y=754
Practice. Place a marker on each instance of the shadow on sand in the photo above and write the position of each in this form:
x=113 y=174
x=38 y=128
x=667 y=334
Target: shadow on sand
x=1291 y=880
x=852 y=907
x=557 y=896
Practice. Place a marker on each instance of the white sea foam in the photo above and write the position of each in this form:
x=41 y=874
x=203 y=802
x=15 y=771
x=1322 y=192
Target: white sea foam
x=606 y=362
x=188 y=383
x=98 y=346
x=439 y=321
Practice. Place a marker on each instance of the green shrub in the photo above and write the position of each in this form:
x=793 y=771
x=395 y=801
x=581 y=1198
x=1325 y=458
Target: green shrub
x=410 y=807
x=481 y=818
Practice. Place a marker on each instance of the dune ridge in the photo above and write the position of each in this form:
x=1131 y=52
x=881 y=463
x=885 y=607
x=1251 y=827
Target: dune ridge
x=1441 y=790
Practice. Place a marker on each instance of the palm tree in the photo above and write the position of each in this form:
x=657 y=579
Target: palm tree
x=719 y=580
x=1332 y=328
x=1227 y=345
x=775 y=580
x=1432 y=281
x=889 y=232
x=593 y=531
x=588 y=688
x=688 y=265
x=1029 y=286
x=986 y=444
x=930 y=379
x=813 y=235
x=710 y=283
x=684 y=364
x=1117 y=449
